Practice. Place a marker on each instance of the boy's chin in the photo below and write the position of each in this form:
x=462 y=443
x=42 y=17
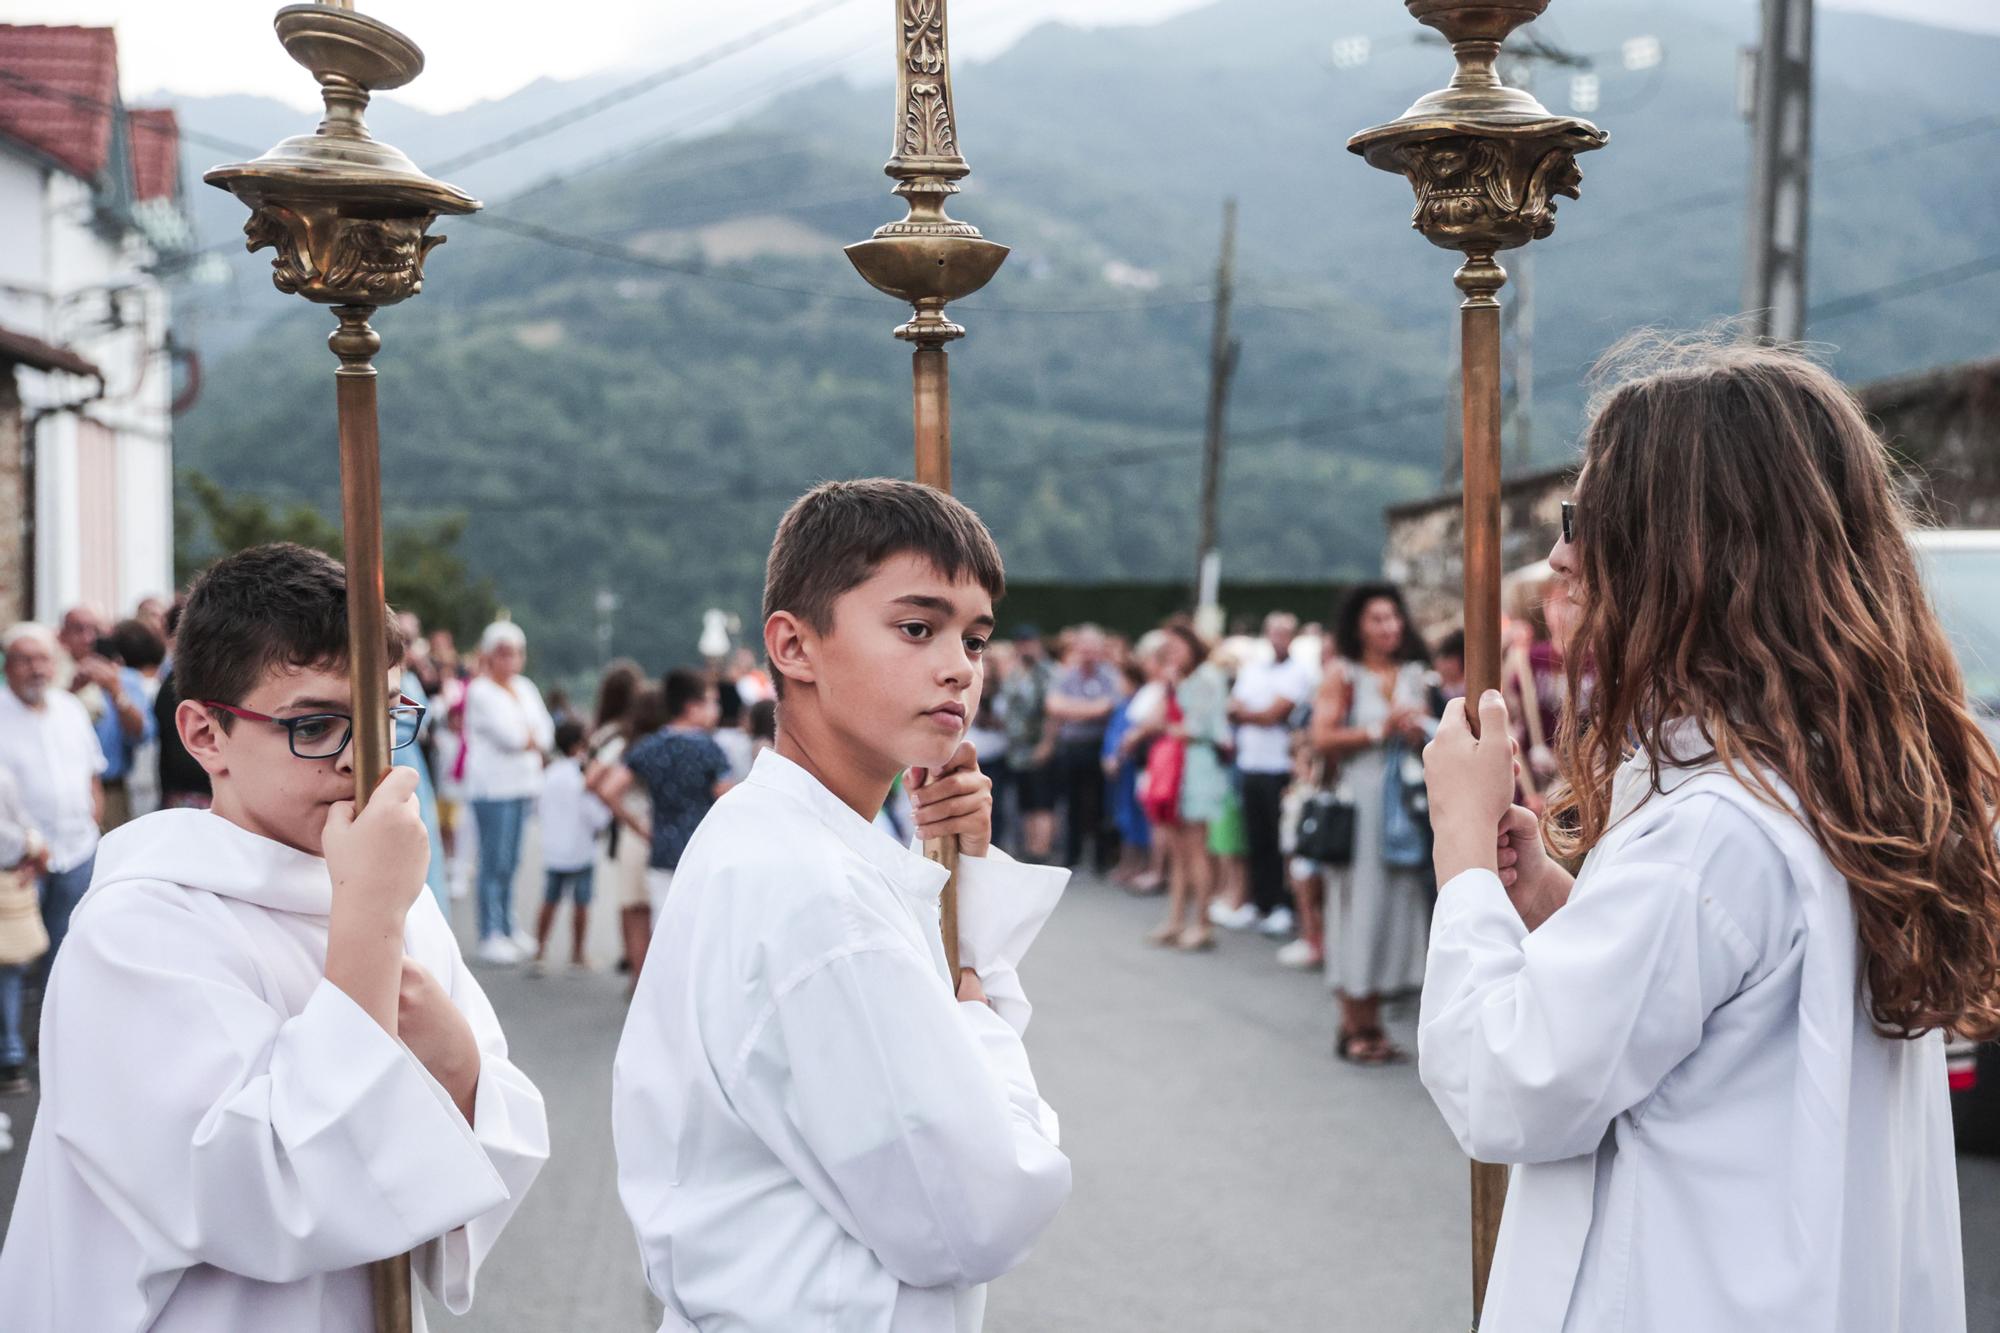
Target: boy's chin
x=934 y=750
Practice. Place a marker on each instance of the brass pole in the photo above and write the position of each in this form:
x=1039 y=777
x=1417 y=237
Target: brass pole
x=929 y=260
x=1486 y=162
x=355 y=343
x=348 y=216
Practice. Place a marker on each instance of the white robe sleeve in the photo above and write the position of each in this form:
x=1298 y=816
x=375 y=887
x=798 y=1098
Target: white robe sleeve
x=921 y=1114
x=512 y=1127
x=220 y=1133
x=1002 y=906
x=1531 y=1044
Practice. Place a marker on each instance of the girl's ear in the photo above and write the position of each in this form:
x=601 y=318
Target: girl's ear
x=790 y=644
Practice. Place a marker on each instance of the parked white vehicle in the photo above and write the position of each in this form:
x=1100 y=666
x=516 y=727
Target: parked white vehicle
x=1961 y=569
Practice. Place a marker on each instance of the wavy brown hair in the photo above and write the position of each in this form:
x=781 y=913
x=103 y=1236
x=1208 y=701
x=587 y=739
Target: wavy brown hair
x=1745 y=563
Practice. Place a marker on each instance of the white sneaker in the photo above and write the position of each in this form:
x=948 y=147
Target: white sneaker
x=498 y=949
x=458 y=878
x=524 y=943
x=1299 y=954
x=1232 y=918
x=1278 y=924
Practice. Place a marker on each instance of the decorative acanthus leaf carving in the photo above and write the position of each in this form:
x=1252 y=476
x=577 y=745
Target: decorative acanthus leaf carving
x=1477 y=193
x=927 y=127
x=325 y=257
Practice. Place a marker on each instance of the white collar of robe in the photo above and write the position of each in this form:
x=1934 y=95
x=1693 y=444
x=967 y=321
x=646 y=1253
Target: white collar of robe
x=201 y=850
x=908 y=870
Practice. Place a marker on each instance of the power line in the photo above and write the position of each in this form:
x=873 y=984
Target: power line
x=626 y=92
x=1891 y=291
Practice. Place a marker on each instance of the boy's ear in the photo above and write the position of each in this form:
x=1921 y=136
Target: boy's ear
x=789 y=644
x=202 y=735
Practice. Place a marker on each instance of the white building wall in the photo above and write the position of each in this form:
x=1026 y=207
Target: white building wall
x=91 y=294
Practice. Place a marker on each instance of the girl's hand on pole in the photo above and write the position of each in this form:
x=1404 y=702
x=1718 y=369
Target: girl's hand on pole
x=1471 y=782
x=956 y=802
x=1536 y=884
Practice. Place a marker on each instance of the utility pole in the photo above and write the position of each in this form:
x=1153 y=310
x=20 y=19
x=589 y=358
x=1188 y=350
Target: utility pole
x=1779 y=103
x=1223 y=351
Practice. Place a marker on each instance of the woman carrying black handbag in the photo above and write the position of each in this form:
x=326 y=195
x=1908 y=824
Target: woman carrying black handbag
x=1371 y=710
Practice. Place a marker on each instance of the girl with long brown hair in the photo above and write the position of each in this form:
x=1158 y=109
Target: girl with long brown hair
x=1717 y=1050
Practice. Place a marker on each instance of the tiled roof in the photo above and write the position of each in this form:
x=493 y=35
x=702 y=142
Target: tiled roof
x=57 y=90
x=156 y=144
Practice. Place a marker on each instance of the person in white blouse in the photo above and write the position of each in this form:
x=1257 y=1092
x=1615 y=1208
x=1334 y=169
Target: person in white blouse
x=812 y=1131
x=1714 y=1055
x=508 y=734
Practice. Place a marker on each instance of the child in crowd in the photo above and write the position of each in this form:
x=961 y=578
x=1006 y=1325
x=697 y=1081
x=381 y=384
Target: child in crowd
x=571 y=820
x=811 y=1131
x=264 y=1063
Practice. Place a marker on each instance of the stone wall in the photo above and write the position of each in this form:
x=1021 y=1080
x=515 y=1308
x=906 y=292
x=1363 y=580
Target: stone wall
x=1942 y=425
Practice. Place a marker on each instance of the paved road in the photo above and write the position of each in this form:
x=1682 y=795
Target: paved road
x=1230 y=1176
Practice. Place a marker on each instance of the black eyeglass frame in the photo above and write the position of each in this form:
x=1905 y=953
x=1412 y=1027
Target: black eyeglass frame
x=406 y=717
x=1569 y=522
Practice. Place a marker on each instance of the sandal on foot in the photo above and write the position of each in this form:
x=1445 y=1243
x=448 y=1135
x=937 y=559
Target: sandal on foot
x=1164 y=936
x=1195 y=939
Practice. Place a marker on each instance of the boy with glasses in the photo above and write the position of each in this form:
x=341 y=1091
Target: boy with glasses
x=264 y=1063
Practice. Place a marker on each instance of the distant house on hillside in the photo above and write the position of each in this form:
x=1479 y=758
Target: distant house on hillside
x=1943 y=426
x=91 y=216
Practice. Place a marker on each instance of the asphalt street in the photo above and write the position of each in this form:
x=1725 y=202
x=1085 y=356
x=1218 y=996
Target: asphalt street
x=1231 y=1176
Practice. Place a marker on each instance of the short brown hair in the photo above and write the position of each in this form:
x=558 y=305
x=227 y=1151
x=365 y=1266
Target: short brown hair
x=277 y=605
x=836 y=535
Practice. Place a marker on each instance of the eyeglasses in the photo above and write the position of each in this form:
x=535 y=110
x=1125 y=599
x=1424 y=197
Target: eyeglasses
x=325 y=735
x=1569 y=522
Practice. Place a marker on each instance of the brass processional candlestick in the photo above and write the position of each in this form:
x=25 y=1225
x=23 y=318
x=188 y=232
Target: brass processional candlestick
x=929 y=260
x=1487 y=162
x=347 y=216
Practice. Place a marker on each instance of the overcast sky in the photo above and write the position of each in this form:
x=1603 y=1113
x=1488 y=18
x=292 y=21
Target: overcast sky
x=488 y=48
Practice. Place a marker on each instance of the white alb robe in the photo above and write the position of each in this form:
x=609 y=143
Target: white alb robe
x=225 y=1139
x=1709 y=1133
x=811 y=1131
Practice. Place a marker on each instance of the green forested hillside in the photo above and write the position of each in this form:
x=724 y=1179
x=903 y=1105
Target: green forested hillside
x=604 y=423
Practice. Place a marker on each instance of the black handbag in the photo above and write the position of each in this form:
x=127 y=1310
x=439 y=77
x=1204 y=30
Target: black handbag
x=1326 y=828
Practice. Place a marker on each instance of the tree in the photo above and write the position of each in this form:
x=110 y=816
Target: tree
x=422 y=568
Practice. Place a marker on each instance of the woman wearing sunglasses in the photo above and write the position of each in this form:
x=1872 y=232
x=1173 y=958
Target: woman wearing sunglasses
x=1716 y=1053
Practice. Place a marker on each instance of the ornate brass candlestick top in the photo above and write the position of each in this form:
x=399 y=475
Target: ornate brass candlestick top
x=929 y=260
x=347 y=216
x=1486 y=162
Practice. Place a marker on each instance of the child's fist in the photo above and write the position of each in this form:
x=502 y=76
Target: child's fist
x=956 y=802
x=437 y=1034
x=378 y=858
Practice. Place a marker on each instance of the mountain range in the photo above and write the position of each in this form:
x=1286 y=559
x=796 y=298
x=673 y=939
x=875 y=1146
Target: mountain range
x=622 y=371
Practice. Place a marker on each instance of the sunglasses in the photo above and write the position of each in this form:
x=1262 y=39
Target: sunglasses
x=1569 y=522
x=325 y=735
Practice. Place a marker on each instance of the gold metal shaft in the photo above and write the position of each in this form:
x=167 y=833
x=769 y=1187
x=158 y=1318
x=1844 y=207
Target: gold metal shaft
x=1486 y=162
x=347 y=216
x=355 y=343
x=931 y=408
x=928 y=259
